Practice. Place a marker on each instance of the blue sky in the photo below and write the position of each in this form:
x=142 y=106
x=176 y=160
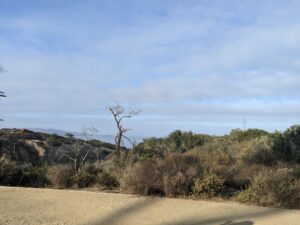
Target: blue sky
x=198 y=65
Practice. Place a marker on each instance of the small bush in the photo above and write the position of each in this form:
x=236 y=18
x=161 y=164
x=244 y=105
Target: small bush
x=287 y=144
x=276 y=188
x=211 y=185
x=10 y=173
x=219 y=152
x=241 y=176
x=247 y=135
x=108 y=180
x=296 y=171
x=61 y=176
x=84 y=179
x=90 y=175
x=179 y=172
x=34 y=177
x=258 y=151
x=145 y=178
x=233 y=180
x=119 y=165
x=245 y=196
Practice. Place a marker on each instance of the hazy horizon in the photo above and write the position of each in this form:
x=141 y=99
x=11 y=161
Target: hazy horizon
x=204 y=66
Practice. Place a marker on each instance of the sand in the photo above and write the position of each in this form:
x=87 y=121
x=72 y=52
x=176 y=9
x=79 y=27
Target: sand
x=20 y=206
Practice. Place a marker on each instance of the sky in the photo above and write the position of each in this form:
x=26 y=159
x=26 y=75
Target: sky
x=204 y=65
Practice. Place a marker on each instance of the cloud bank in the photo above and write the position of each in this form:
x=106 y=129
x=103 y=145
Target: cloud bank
x=202 y=66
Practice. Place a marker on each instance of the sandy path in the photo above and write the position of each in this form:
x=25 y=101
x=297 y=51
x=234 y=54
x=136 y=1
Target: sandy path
x=45 y=206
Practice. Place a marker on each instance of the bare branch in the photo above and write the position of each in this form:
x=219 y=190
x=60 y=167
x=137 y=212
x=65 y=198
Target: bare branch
x=84 y=158
x=66 y=155
x=130 y=141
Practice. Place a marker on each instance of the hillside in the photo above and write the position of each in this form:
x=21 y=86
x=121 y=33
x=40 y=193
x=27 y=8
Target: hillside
x=27 y=146
x=104 y=138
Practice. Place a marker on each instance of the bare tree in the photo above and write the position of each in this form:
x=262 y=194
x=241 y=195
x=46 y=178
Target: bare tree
x=78 y=153
x=119 y=113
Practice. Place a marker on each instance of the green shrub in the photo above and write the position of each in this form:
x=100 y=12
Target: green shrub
x=180 y=141
x=10 y=173
x=177 y=141
x=246 y=135
x=287 y=144
x=211 y=185
x=276 y=188
x=34 y=177
x=13 y=174
x=257 y=151
x=245 y=196
x=150 y=148
x=220 y=151
x=61 y=176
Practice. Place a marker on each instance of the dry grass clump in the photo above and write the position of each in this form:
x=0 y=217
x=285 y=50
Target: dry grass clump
x=107 y=180
x=145 y=178
x=61 y=176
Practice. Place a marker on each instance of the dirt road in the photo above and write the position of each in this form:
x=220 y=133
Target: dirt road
x=20 y=206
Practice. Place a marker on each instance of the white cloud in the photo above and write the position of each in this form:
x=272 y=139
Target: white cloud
x=221 y=60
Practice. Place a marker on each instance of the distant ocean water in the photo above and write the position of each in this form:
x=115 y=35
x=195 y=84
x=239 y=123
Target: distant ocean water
x=103 y=138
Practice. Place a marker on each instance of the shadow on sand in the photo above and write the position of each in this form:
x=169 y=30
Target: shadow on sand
x=238 y=223
x=117 y=216
x=120 y=215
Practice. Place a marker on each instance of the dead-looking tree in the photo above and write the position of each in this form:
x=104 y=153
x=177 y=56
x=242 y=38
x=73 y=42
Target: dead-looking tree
x=120 y=113
x=79 y=152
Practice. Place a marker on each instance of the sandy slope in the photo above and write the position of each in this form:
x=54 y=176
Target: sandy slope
x=44 y=206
